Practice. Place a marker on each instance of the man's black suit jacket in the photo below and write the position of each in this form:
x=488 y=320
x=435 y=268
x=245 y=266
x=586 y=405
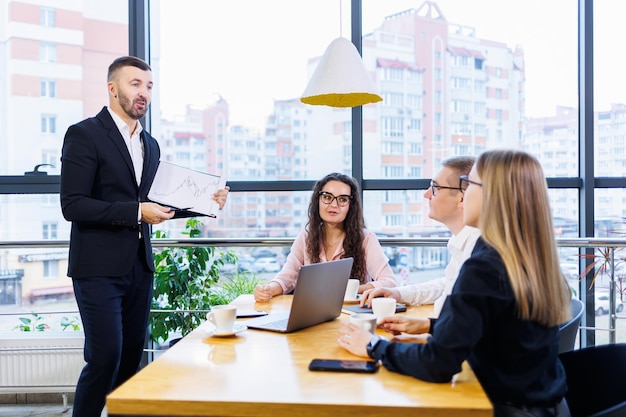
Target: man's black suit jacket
x=100 y=196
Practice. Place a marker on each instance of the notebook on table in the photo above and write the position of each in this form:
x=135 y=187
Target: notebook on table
x=400 y=308
x=318 y=297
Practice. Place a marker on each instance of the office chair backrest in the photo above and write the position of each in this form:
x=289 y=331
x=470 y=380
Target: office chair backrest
x=568 y=331
x=595 y=380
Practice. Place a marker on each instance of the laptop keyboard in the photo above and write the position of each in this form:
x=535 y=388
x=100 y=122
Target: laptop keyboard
x=277 y=325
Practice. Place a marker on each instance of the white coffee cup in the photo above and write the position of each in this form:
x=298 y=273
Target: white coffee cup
x=366 y=321
x=222 y=317
x=383 y=307
x=352 y=289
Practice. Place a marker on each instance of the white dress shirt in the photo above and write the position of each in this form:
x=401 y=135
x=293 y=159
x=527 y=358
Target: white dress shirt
x=135 y=149
x=133 y=143
x=436 y=290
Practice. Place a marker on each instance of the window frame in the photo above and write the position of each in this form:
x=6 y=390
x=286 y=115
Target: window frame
x=139 y=46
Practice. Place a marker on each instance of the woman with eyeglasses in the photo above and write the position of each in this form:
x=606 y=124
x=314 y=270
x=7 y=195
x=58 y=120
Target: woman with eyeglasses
x=504 y=312
x=335 y=230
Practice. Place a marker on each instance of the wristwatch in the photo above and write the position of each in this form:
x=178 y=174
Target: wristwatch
x=372 y=345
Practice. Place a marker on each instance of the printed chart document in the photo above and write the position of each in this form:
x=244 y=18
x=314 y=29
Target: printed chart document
x=185 y=189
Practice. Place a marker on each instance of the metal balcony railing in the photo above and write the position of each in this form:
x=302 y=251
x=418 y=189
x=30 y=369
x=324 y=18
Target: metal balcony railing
x=587 y=248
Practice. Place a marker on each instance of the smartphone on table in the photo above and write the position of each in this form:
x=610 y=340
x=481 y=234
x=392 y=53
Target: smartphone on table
x=342 y=365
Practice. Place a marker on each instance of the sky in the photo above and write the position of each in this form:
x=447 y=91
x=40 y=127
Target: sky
x=251 y=51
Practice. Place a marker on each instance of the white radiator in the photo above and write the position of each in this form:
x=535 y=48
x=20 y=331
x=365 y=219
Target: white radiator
x=40 y=361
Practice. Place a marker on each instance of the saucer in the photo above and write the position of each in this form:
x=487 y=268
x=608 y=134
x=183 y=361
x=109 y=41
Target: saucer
x=237 y=328
x=352 y=300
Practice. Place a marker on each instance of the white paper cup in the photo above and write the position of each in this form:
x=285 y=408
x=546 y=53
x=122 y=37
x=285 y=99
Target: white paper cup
x=352 y=289
x=223 y=318
x=366 y=321
x=383 y=307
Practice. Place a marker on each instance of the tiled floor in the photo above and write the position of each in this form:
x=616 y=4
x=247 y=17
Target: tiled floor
x=39 y=410
x=36 y=404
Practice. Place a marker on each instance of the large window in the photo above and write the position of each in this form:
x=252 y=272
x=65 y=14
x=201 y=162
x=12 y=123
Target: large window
x=246 y=89
x=457 y=77
x=609 y=100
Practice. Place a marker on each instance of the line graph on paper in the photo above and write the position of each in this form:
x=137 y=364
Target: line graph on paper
x=180 y=187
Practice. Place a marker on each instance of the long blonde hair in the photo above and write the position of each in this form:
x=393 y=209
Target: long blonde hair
x=516 y=220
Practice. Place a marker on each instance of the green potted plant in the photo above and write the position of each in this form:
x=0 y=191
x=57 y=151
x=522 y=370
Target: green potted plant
x=232 y=286
x=183 y=278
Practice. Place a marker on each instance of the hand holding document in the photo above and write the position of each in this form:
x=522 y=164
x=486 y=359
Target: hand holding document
x=185 y=189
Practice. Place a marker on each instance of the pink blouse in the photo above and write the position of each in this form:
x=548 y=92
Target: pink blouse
x=378 y=271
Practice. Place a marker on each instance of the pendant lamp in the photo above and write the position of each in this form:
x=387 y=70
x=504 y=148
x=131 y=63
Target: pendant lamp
x=340 y=79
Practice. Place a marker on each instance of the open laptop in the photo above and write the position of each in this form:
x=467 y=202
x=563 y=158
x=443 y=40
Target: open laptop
x=318 y=297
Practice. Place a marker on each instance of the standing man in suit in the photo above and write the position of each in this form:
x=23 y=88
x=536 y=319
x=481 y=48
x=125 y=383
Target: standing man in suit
x=108 y=165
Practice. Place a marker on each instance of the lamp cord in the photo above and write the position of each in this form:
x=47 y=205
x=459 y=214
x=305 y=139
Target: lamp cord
x=341 y=18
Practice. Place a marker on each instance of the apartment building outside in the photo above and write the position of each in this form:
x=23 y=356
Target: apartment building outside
x=553 y=139
x=446 y=91
x=53 y=60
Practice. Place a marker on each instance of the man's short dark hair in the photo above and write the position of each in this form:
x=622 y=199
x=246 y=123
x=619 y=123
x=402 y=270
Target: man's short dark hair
x=127 y=61
x=461 y=164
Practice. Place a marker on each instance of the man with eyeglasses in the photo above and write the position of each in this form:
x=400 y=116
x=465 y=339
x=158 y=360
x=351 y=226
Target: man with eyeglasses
x=445 y=201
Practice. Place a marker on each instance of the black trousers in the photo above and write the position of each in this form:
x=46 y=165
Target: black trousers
x=114 y=312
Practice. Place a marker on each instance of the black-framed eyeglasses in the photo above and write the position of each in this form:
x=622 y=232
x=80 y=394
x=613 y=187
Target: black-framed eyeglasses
x=434 y=188
x=342 y=200
x=464 y=182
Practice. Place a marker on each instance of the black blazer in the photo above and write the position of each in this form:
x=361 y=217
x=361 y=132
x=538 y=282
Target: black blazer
x=100 y=196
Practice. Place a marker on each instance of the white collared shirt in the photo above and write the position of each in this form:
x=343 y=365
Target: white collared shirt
x=437 y=290
x=135 y=148
x=133 y=143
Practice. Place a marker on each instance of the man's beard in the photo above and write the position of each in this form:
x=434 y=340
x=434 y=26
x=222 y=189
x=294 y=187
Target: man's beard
x=129 y=107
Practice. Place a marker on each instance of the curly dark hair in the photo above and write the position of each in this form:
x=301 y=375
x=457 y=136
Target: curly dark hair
x=353 y=225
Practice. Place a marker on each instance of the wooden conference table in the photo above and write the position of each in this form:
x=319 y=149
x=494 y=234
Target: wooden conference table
x=265 y=374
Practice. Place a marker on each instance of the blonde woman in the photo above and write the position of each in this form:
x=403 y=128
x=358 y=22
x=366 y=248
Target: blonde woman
x=504 y=312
